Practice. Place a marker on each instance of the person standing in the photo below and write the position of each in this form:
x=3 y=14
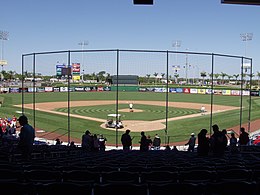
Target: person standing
x=126 y=140
x=203 y=143
x=102 y=142
x=143 y=142
x=156 y=142
x=131 y=107
x=26 y=138
x=243 y=137
x=233 y=143
x=87 y=141
x=191 y=143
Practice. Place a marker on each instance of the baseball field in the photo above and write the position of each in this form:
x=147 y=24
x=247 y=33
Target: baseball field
x=53 y=116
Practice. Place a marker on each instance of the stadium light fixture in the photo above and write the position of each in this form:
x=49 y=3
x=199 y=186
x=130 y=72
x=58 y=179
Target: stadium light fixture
x=3 y=37
x=82 y=44
x=246 y=37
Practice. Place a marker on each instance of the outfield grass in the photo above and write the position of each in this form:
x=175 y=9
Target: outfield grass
x=149 y=112
x=177 y=130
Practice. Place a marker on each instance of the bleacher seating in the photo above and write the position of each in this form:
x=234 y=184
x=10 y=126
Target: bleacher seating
x=116 y=171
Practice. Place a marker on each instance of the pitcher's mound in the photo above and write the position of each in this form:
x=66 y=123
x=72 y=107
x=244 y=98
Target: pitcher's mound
x=128 y=110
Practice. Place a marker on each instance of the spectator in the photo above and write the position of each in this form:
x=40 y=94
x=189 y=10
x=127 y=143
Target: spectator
x=167 y=148
x=156 y=142
x=26 y=138
x=143 y=142
x=243 y=137
x=175 y=149
x=95 y=143
x=217 y=141
x=102 y=142
x=149 y=142
x=58 y=142
x=233 y=142
x=72 y=144
x=191 y=143
x=87 y=141
x=203 y=143
x=126 y=140
x=225 y=141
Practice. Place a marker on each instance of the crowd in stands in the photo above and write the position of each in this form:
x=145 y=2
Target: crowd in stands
x=218 y=160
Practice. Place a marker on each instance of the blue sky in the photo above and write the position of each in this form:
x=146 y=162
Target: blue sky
x=200 y=25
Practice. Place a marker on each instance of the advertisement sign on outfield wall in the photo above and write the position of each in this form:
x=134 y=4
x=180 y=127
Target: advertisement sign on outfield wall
x=201 y=91
x=245 y=93
x=217 y=91
x=25 y=89
x=79 y=88
x=186 y=90
x=235 y=92
x=48 y=89
x=63 y=89
x=172 y=90
x=226 y=92
x=100 y=88
x=254 y=93
x=14 y=90
x=40 y=89
x=30 y=89
x=193 y=90
x=159 y=89
x=179 y=90
x=208 y=91
x=56 y=89
x=107 y=88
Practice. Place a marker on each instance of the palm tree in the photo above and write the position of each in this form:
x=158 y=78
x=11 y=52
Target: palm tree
x=236 y=76
x=148 y=77
x=229 y=77
x=155 y=75
x=176 y=78
x=223 y=75
x=216 y=76
x=203 y=75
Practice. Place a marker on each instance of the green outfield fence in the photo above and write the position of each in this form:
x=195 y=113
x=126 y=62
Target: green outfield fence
x=154 y=67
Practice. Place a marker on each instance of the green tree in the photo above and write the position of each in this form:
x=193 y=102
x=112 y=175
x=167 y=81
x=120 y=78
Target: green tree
x=236 y=76
x=223 y=75
x=203 y=74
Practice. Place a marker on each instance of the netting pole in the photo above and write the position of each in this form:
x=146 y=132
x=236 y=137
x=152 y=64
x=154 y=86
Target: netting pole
x=34 y=89
x=68 y=77
x=167 y=97
x=22 y=84
x=241 y=93
x=250 y=98
x=212 y=93
x=117 y=70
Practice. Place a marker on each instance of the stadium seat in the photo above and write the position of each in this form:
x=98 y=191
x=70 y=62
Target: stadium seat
x=120 y=188
x=81 y=177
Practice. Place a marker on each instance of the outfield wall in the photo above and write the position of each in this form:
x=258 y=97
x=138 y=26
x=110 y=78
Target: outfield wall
x=186 y=90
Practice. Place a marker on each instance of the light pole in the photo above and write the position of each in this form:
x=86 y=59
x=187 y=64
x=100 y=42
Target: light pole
x=186 y=67
x=4 y=37
x=82 y=44
x=246 y=37
x=176 y=44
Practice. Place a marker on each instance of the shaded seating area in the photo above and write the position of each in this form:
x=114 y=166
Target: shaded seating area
x=59 y=170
